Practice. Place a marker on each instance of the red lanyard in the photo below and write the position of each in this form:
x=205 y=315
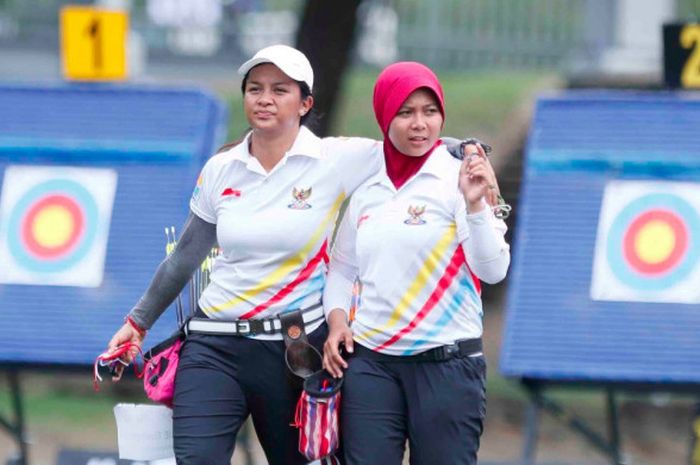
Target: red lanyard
x=113 y=360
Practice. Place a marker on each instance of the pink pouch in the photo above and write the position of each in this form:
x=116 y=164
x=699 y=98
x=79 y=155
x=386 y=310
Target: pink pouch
x=160 y=368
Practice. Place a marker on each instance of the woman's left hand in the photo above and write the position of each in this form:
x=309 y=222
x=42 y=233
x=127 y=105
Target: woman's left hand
x=125 y=335
x=339 y=333
x=477 y=179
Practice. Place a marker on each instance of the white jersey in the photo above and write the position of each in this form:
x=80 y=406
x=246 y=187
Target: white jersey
x=273 y=228
x=419 y=258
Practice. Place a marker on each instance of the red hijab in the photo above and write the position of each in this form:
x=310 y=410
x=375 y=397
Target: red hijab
x=394 y=85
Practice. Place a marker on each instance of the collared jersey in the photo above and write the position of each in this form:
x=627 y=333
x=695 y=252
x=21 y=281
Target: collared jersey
x=273 y=228
x=411 y=250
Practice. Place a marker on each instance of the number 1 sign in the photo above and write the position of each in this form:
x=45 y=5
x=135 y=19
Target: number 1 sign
x=93 y=43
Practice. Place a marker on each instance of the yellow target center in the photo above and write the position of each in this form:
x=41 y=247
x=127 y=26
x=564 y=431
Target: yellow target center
x=654 y=242
x=53 y=226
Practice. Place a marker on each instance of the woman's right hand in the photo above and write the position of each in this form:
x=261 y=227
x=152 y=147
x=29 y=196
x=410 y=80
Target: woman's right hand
x=477 y=178
x=338 y=333
x=126 y=334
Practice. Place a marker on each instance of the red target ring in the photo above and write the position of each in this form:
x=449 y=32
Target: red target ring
x=76 y=226
x=670 y=222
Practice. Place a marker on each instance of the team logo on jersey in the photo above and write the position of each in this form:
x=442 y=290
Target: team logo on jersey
x=415 y=215
x=300 y=197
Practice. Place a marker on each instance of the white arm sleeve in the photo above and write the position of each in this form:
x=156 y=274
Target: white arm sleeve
x=482 y=237
x=342 y=269
x=355 y=159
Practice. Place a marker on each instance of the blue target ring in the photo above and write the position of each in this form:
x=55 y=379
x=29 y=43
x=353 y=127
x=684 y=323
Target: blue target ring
x=67 y=188
x=615 y=253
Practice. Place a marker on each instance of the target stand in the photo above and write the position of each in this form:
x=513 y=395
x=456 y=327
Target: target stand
x=91 y=175
x=605 y=282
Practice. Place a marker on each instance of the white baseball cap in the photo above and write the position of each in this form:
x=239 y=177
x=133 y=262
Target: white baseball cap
x=291 y=61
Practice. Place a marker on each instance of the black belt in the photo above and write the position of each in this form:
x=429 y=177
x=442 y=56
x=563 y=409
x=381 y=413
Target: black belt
x=459 y=349
x=273 y=325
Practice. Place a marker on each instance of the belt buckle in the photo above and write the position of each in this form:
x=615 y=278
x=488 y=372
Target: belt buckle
x=449 y=351
x=243 y=328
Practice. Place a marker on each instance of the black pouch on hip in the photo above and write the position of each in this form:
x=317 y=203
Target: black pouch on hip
x=301 y=357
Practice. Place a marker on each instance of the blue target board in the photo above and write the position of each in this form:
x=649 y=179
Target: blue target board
x=605 y=280
x=91 y=175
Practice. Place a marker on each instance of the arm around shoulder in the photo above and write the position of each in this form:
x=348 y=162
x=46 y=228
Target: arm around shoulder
x=355 y=159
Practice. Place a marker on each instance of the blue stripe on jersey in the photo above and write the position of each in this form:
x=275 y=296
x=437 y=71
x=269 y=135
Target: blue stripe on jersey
x=464 y=289
x=315 y=285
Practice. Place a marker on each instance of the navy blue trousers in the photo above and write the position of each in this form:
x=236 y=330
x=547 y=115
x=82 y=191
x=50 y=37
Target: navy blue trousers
x=223 y=379
x=439 y=407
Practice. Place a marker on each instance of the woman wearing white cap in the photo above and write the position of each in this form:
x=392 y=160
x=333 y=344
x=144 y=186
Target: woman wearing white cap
x=270 y=202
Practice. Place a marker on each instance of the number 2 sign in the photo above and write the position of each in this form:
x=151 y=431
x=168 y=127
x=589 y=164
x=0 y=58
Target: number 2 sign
x=93 y=43
x=682 y=55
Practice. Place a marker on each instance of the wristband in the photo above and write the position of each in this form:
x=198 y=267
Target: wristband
x=130 y=321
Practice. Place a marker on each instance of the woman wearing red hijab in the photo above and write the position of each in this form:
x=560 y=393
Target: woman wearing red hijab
x=418 y=238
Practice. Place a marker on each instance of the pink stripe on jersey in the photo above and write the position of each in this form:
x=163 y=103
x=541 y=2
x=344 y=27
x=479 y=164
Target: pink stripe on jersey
x=475 y=278
x=443 y=284
x=303 y=275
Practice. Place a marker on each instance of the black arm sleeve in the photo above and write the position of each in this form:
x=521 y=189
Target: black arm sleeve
x=195 y=242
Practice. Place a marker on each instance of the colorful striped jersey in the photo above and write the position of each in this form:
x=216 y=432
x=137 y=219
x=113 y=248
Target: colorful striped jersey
x=419 y=258
x=273 y=227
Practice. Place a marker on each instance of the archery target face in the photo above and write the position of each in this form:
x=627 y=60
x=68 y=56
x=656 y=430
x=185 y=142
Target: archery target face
x=54 y=225
x=648 y=243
